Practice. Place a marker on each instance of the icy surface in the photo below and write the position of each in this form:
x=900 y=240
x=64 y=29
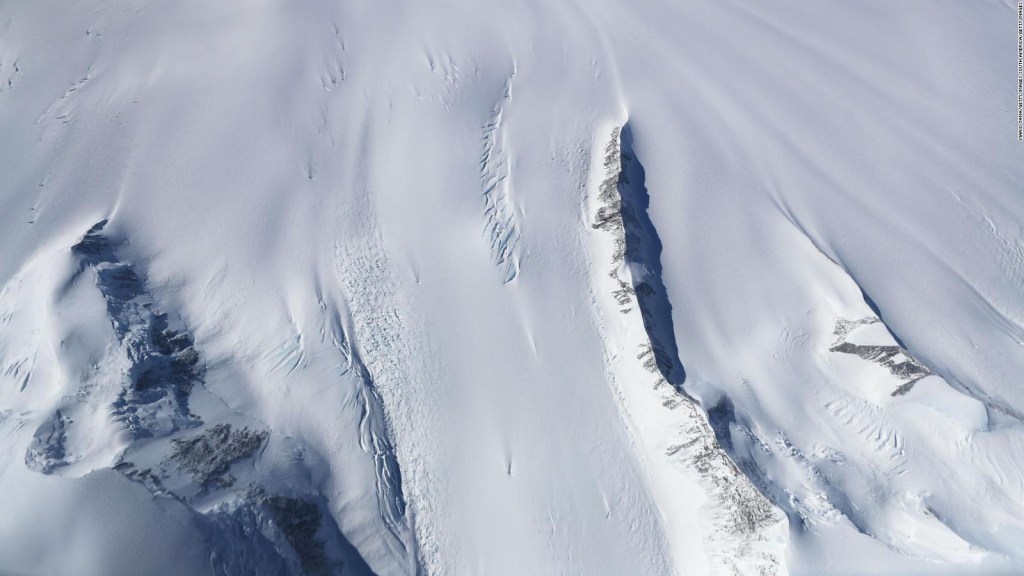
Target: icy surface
x=320 y=287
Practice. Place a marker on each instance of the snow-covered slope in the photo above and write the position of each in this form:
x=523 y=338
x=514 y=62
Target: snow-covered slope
x=524 y=288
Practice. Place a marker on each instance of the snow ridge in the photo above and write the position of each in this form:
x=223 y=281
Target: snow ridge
x=500 y=221
x=642 y=256
x=743 y=532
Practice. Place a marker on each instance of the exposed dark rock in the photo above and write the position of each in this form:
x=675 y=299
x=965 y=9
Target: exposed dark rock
x=145 y=476
x=722 y=416
x=623 y=212
x=300 y=522
x=165 y=364
x=208 y=456
x=909 y=370
x=293 y=532
x=637 y=270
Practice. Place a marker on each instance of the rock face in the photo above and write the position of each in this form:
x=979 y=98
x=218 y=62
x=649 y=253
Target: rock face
x=743 y=532
x=209 y=456
x=159 y=364
x=164 y=362
x=898 y=361
x=171 y=450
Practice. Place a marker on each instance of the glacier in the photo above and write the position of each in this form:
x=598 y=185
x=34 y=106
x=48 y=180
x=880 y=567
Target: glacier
x=396 y=288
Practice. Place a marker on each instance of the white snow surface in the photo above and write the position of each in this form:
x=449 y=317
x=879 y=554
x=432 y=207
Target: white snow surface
x=313 y=286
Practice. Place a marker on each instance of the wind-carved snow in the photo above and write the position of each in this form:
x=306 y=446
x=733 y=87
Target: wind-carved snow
x=897 y=435
x=375 y=438
x=48 y=449
x=230 y=142
x=500 y=224
x=16 y=364
x=334 y=71
x=377 y=348
x=742 y=532
x=63 y=111
x=374 y=432
x=9 y=69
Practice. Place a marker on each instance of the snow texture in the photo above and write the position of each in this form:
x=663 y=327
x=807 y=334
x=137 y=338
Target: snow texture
x=397 y=288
